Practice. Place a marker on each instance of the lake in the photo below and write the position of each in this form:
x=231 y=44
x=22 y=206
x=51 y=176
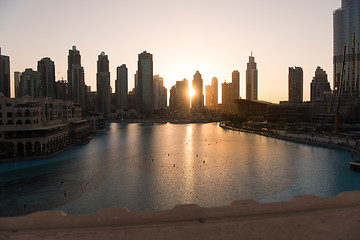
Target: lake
x=157 y=166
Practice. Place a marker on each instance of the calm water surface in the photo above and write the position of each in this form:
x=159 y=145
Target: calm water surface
x=157 y=166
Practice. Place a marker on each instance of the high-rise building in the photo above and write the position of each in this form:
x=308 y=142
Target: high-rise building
x=74 y=59
x=121 y=87
x=159 y=93
x=46 y=68
x=179 y=96
x=295 y=85
x=5 y=75
x=211 y=93
x=61 y=88
x=144 y=89
x=78 y=88
x=251 y=80
x=347 y=31
x=103 y=84
x=30 y=84
x=197 y=100
x=319 y=85
x=227 y=90
x=16 y=83
x=236 y=84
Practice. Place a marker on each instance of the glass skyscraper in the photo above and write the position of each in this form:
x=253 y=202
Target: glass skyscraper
x=347 y=31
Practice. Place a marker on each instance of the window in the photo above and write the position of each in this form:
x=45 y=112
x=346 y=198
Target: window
x=9 y=115
x=18 y=113
x=27 y=113
x=10 y=122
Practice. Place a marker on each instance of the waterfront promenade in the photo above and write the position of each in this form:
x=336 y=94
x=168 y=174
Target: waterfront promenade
x=330 y=141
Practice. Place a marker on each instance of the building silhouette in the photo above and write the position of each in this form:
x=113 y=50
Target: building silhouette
x=235 y=80
x=4 y=75
x=46 y=68
x=179 y=97
x=295 y=85
x=159 y=93
x=211 y=93
x=17 y=83
x=251 y=80
x=144 y=83
x=121 y=87
x=103 y=84
x=76 y=88
x=347 y=31
x=197 y=100
x=30 y=83
x=319 y=85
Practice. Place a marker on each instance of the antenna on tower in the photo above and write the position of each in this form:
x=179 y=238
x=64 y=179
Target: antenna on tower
x=251 y=53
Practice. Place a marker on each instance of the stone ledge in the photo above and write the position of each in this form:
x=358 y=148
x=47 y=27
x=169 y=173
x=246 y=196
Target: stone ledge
x=247 y=212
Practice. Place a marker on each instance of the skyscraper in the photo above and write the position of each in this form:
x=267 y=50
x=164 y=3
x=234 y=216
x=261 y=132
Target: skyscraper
x=16 y=83
x=347 y=31
x=251 y=80
x=103 y=84
x=145 y=83
x=211 y=93
x=121 y=87
x=319 y=85
x=46 y=68
x=227 y=90
x=159 y=93
x=5 y=75
x=30 y=83
x=236 y=84
x=295 y=85
x=74 y=58
x=197 y=100
x=179 y=97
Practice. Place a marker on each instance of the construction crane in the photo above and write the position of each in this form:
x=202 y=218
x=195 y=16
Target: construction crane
x=336 y=119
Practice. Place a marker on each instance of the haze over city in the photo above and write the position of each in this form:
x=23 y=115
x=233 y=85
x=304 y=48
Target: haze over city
x=210 y=36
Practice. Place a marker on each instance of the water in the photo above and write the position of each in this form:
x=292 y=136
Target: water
x=157 y=166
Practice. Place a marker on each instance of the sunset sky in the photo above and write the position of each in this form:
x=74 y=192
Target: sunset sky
x=214 y=37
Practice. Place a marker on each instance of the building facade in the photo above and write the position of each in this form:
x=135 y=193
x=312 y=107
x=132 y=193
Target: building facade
x=46 y=67
x=121 y=87
x=179 y=97
x=144 y=87
x=251 y=80
x=295 y=85
x=319 y=85
x=36 y=126
x=197 y=100
x=4 y=75
x=347 y=32
x=76 y=88
x=103 y=85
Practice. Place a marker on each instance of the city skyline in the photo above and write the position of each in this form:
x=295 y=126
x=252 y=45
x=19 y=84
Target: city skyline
x=213 y=45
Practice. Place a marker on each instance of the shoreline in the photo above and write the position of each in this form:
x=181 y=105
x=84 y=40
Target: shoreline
x=330 y=144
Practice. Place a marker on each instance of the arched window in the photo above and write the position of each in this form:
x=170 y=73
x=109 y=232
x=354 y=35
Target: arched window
x=19 y=122
x=27 y=121
x=27 y=113
x=18 y=113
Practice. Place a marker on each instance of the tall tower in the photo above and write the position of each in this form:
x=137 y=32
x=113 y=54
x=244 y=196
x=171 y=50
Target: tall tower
x=74 y=58
x=145 y=83
x=46 y=68
x=251 y=80
x=121 y=87
x=30 y=83
x=197 y=100
x=347 y=31
x=5 y=75
x=236 y=84
x=295 y=85
x=103 y=84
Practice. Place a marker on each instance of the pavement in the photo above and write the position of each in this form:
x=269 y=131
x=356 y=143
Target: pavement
x=303 y=217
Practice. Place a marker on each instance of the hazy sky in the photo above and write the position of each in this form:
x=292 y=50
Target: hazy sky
x=214 y=37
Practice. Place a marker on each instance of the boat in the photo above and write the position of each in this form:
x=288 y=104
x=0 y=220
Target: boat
x=355 y=165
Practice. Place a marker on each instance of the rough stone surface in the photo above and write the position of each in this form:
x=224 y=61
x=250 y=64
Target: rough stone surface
x=303 y=217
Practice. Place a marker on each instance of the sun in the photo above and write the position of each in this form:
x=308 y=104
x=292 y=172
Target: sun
x=191 y=92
